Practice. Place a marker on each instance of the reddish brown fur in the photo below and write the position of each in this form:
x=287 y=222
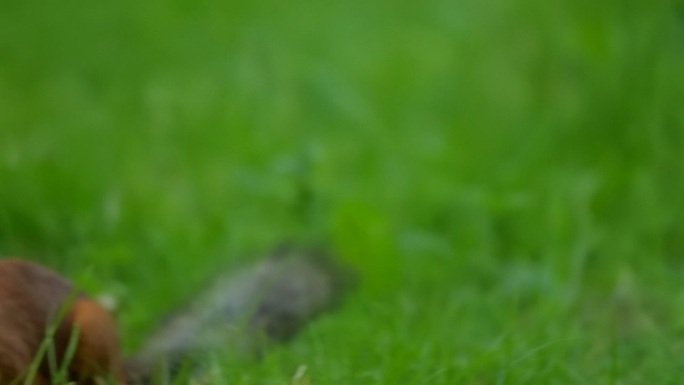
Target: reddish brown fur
x=31 y=296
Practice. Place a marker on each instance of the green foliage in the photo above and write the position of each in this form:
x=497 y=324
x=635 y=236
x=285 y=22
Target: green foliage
x=507 y=176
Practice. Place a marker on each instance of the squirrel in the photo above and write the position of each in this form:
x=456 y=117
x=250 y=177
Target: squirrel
x=267 y=301
x=31 y=298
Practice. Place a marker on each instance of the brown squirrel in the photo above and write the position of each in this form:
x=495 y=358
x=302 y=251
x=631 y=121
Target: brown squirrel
x=31 y=298
x=270 y=300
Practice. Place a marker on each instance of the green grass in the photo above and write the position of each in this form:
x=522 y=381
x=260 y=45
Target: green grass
x=508 y=176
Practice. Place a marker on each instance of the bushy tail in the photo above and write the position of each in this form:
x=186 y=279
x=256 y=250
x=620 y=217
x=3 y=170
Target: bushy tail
x=268 y=301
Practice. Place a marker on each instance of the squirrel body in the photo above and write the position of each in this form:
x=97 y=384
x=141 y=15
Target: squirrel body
x=34 y=300
x=273 y=298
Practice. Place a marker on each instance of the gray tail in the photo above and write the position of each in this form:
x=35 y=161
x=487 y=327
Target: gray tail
x=243 y=311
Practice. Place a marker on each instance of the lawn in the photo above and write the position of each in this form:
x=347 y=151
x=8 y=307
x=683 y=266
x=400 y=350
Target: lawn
x=507 y=177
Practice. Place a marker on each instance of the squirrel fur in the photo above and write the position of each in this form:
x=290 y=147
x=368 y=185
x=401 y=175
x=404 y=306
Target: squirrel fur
x=267 y=301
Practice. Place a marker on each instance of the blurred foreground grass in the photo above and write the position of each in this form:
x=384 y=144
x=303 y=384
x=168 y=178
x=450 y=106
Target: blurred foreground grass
x=508 y=176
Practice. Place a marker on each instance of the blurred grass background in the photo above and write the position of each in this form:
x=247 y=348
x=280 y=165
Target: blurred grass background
x=507 y=175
